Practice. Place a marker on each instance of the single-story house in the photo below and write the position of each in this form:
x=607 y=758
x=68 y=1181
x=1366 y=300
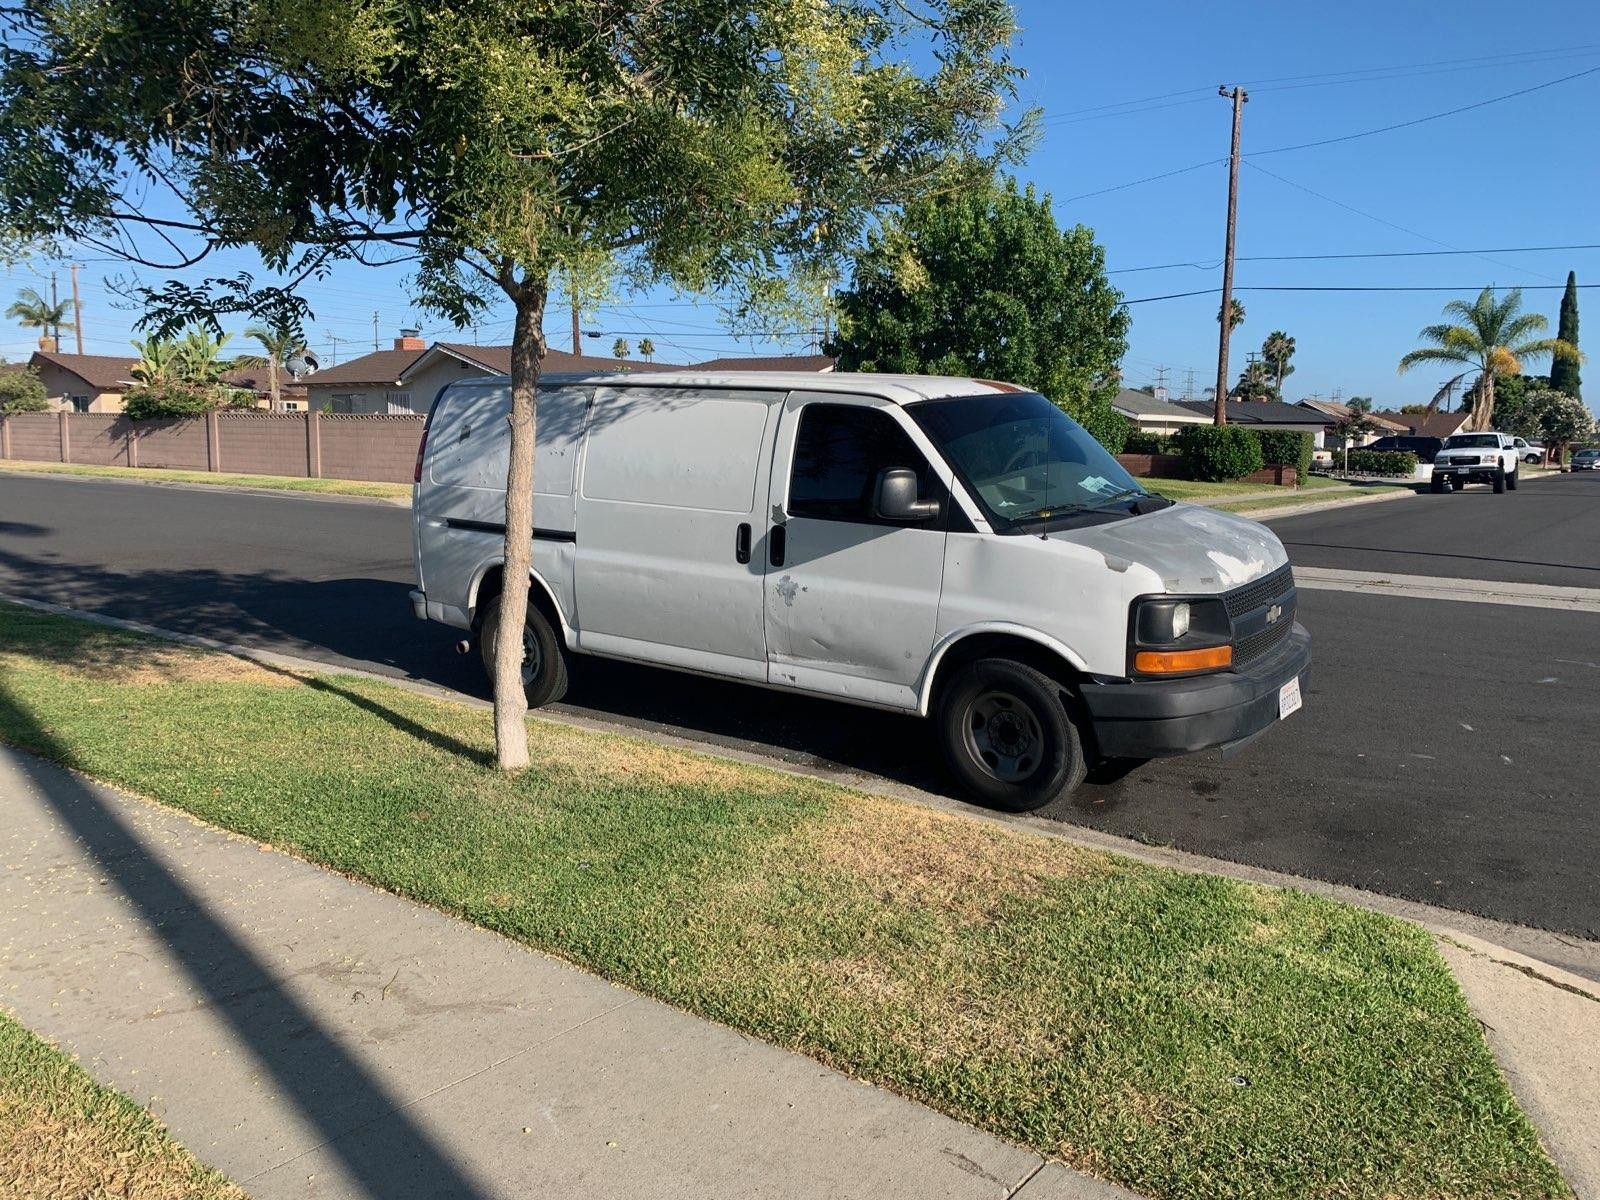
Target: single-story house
x=1266 y=414
x=1435 y=424
x=84 y=382
x=816 y=364
x=1155 y=414
x=369 y=383
x=1381 y=426
x=445 y=362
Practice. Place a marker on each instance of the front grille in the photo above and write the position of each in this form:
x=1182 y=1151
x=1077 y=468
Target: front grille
x=1258 y=645
x=1259 y=593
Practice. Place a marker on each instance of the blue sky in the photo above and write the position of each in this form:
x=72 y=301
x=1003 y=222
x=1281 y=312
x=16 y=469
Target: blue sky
x=1128 y=92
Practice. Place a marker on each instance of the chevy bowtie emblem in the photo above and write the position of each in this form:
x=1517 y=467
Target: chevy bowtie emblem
x=1274 y=613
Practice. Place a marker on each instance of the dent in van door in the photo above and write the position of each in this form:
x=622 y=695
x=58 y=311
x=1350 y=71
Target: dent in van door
x=851 y=609
x=673 y=484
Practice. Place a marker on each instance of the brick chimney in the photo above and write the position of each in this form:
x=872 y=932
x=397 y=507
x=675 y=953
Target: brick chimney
x=410 y=339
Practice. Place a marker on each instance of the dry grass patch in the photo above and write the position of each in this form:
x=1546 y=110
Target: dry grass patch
x=62 y=1135
x=108 y=657
x=630 y=762
x=950 y=863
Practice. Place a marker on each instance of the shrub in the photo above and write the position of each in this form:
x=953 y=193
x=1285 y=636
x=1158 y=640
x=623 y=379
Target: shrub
x=21 y=390
x=1286 y=448
x=169 y=400
x=1379 y=462
x=1140 y=442
x=1219 y=453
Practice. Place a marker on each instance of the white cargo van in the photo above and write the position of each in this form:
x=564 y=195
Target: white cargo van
x=957 y=548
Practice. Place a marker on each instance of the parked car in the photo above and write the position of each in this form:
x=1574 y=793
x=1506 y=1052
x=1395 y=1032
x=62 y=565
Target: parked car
x=1423 y=447
x=1529 y=452
x=1585 y=460
x=1476 y=458
x=954 y=548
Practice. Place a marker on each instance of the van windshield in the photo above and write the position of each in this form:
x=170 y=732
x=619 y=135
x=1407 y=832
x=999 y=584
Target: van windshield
x=1021 y=457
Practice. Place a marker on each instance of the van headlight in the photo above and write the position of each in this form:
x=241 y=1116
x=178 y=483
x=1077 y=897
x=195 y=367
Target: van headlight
x=1172 y=636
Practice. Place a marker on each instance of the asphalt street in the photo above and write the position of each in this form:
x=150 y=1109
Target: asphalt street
x=1447 y=751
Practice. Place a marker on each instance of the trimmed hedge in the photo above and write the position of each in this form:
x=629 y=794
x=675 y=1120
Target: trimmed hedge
x=1378 y=462
x=1219 y=453
x=1286 y=448
x=1140 y=442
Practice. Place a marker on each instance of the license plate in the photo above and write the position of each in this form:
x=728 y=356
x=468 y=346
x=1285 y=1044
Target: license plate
x=1289 y=698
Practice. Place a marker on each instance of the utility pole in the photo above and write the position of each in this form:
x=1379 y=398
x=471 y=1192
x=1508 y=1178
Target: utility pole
x=1188 y=384
x=77 y=309
x=1161 y=379
x=1225 y=313
x=374 y=330
x=55 y=330
x=334 y=339
x=1449 y=387
x=577 y=333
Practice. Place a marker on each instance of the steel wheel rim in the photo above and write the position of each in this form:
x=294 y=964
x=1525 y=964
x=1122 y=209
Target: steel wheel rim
x=532 y=657
x=1003 y=736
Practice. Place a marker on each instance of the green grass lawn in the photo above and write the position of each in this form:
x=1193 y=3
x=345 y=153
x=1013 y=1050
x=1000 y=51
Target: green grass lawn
x=276 y=483
x=1184 y=1035
x=63 y=1135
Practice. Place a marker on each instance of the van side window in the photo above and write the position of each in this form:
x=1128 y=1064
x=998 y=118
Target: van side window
x=839 y=451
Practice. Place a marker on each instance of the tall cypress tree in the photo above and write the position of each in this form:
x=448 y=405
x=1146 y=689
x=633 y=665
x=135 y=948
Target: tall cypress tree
x=1564 y=371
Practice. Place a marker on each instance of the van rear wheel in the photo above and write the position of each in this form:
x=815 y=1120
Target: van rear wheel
x=1008 y=736
x=544 y=658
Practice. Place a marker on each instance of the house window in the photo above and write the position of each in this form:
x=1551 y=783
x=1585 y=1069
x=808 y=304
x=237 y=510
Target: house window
x=79 y=403
x=345 y=403
x=398 y=402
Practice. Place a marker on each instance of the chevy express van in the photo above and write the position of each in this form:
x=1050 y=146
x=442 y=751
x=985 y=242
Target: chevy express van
x=955 y=548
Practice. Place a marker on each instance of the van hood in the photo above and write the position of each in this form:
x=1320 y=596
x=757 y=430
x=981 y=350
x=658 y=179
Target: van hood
x=1190 y=547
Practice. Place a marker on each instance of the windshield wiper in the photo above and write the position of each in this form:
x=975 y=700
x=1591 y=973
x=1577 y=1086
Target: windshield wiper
x=1121 y=495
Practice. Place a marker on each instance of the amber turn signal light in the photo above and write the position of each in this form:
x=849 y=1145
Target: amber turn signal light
x=1169 y=662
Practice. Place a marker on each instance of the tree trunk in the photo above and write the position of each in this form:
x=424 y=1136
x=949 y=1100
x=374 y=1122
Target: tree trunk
x=510 y=701
x=1482 y=418
x=274 y=404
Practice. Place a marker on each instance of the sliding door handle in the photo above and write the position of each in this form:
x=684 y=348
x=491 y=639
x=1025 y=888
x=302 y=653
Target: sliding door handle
x=741 y=544
x=777 y=543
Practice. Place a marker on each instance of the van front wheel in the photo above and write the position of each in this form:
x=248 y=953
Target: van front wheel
x=1008 y=737
x=544 y=658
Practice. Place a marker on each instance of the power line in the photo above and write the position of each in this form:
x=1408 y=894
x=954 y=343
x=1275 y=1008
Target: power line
x=1210 y=162
x=1321 y=287
x=1211 y=266
x=1382 y=221
x=1350 y=137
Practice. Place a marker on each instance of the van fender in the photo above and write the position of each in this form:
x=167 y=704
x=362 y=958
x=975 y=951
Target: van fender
x=535 y=579
x=945 y=644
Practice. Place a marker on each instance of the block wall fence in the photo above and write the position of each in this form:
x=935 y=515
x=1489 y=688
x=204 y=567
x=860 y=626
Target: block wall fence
x=306 y=445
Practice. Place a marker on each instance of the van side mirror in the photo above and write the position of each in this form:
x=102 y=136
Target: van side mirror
x=896 y=499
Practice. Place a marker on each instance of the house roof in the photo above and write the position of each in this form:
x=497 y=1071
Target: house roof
x=1439 y=425
x=379 y=367
x=257 y=380
x=775 y=362
x=1136 y=404
x=496 y=360
x=1340 y=412
x=1258 y=412
x=102 y=372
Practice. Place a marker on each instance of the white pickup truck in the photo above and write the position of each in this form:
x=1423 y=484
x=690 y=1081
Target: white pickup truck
x=1476 y=458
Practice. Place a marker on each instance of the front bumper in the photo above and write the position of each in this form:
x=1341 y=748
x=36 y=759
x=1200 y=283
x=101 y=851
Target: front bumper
x=1157 y=718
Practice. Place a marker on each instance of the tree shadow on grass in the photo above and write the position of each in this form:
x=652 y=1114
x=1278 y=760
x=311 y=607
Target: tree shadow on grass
x=393 y=1156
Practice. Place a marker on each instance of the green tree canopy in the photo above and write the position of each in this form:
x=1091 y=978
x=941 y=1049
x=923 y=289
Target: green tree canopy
x=984 y=283
x=1557 y=419
x=1491 y=338
x=493 y=144
x=1564 y=373
x=21 y=389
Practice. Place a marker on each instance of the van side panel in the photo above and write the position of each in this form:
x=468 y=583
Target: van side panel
x=460 y=503
x=672 y=495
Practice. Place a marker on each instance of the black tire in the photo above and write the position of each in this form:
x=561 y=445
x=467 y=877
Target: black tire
x=1436 y=486
x=1511 y=479
x=1499 y=482
x=546 y=681
x=994 y=703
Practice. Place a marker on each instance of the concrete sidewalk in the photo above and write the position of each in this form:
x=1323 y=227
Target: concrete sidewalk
x=313 y=1037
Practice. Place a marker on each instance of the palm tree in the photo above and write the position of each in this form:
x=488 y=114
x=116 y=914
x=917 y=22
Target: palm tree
x=1493 y=338
x=33 y=311
x=1235 y=314
x=619 y=348
x=1276 y=351
x=647 y=349
x=279 y=344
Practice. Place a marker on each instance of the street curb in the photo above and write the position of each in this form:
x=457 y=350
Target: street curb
x=234 y=489
x=1559 y=951
x=1300 y=510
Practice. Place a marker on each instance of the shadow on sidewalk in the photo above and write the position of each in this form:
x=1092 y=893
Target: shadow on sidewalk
x=393 y=1157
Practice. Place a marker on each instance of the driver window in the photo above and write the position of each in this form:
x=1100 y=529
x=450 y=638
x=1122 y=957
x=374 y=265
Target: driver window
x=839 y=451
